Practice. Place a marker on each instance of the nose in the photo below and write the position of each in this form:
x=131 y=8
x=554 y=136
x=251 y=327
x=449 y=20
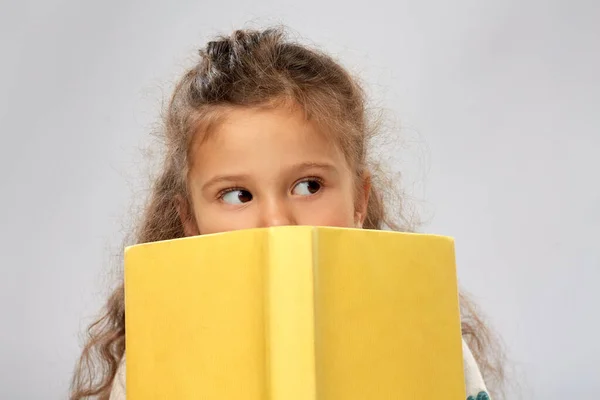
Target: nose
x=276 y=212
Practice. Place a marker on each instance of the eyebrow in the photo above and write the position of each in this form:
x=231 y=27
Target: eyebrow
x=312 y=165
x=297 y=168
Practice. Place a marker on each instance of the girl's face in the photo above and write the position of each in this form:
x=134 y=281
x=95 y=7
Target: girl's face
x=262 y=168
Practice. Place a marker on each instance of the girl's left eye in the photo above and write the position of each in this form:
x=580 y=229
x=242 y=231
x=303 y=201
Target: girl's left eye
x=307 y=188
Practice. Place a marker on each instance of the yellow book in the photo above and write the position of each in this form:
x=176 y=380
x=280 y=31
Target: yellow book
x=294 y=313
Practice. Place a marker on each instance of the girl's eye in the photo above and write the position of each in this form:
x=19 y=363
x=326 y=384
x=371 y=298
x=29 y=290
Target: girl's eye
x=237 y=196
x=307 y=188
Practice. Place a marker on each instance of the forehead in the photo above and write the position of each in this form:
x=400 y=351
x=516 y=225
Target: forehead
x=266 y=137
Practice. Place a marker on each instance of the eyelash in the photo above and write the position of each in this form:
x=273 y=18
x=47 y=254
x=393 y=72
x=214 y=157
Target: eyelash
x=320 y=182
x=223 y=192
x=310 y=178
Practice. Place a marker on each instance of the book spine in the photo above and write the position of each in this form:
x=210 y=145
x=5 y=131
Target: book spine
x=290 y=315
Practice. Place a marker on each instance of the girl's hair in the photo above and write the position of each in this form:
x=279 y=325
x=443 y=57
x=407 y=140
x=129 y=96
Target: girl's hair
x=256 y=69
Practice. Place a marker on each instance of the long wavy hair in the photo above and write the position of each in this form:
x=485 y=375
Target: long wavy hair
x=258 y=69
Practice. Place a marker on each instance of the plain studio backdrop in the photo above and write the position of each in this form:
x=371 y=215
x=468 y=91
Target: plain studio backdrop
x=497 y=102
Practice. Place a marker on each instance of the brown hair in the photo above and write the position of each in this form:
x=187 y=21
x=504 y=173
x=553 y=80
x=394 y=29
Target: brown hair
x=254 y=69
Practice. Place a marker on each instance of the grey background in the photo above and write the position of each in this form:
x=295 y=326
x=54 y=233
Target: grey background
x=498 y=102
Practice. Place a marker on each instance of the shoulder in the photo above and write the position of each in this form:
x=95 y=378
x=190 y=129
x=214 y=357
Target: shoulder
x=118 y=386
x=475 y=386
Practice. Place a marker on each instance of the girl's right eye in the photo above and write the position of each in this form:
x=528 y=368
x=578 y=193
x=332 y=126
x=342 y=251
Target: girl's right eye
x=236 y=196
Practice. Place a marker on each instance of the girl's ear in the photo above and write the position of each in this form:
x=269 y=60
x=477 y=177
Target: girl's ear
x=364 y=191
x=186 y=216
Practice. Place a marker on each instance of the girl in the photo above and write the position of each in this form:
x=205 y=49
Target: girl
x=262 y=132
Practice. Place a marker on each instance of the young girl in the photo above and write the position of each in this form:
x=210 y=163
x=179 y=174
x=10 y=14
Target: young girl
x=262 y=132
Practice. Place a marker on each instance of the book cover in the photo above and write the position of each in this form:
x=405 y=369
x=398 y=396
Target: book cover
x=294 y=313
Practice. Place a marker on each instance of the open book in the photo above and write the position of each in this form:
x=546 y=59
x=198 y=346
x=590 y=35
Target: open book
x=294 y=313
